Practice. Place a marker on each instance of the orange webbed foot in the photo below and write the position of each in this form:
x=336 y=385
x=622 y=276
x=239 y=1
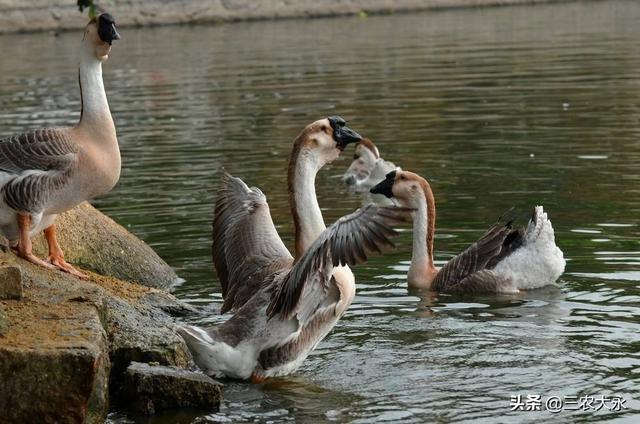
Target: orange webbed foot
x=35 y=260
x=62 y=265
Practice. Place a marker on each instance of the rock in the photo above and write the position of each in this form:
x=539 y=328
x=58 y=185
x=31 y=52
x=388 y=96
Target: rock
x=10 y=282
x=64 y=329
x=54 y=364
x=97 y=243
x=169 y=304
x=155 y=388
x=141 y=334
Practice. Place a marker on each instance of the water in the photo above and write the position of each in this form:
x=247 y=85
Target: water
x=497 y=107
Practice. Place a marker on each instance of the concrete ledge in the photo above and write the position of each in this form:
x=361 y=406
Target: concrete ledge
x=42 y=15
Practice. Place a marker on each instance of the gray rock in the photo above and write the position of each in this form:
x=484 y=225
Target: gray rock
x=141 y=334
x=97 y=243
x=10 y=282
x=169 y=304
x=154 y=388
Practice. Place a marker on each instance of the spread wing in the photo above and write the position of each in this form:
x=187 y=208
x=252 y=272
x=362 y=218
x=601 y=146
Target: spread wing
x=246 y=245
x=476 y=258
x=40 y=162
x=347 y=241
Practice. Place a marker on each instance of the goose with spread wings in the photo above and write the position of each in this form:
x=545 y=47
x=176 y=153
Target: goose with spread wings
x=283 y=304
x=283 y=308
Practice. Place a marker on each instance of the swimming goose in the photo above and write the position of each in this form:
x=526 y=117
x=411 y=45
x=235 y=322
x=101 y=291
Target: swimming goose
x=284 y=305
x=48 y=171
x=503 y=260
x=367 y=168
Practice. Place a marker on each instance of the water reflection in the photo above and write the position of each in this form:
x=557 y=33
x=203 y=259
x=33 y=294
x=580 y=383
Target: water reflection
x=497 y=107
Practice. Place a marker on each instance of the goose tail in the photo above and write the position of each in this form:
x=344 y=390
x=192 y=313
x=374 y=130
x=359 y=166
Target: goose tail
x=538 y=261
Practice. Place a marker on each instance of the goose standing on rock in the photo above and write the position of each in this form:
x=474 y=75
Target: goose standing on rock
x=284 y=305
x=48 y=171
x=503 y=260
x=367 y=168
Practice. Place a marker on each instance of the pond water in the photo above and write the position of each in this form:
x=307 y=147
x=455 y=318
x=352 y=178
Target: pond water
x=498 y=107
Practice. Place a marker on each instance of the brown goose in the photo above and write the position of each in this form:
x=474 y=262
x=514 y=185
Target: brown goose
x=284 y=305
x=503 y=260
x=367 y=168
x=49 y=171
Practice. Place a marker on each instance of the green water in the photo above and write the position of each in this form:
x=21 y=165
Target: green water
x=497 y=107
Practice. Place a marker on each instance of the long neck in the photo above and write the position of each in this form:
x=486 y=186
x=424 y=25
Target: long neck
x=422 y=269
x=307 y=217
x=95 y=114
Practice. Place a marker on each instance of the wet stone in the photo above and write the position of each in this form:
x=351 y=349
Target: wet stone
x=152 y=388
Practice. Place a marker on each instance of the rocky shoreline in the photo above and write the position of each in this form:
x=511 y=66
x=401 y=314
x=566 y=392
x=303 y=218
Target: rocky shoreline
x=66 y=343
x=48 y=15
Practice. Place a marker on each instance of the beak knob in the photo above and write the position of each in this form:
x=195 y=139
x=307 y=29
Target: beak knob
x=107 y=28
x=342 y=134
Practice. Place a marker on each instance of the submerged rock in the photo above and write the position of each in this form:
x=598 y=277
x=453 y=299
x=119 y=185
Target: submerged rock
x=97 y=243
x=10 y=282
x=154 y=388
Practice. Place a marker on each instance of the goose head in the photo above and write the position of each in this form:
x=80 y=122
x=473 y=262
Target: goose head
x=322 y=141
x=99 y=35
x=405 y=186
x=364 y=160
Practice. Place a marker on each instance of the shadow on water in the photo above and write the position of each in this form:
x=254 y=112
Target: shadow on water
x=498 y=107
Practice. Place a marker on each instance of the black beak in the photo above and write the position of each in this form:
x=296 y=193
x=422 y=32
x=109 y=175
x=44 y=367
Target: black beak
x=385 y=186
x=107 y=28
x=342 y=134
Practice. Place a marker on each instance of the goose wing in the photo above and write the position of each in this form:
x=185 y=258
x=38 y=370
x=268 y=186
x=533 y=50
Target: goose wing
x=483 y=281
x=246 y=245
x=40 y=162
x=346 y=242
x=477 y=257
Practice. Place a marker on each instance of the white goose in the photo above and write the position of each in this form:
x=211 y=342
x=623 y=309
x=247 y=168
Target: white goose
x=49 y=171
x=284 y=305
x=503 y=260
x=367 y=168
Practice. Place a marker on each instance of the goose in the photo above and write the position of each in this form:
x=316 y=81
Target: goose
x=283 y=305
x=367 y=168
x=503 y=260
x=48 y=171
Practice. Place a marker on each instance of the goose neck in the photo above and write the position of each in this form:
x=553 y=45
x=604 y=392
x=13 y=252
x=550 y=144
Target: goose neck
x=307 y=216
x=422 y=266
x=95 y=114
